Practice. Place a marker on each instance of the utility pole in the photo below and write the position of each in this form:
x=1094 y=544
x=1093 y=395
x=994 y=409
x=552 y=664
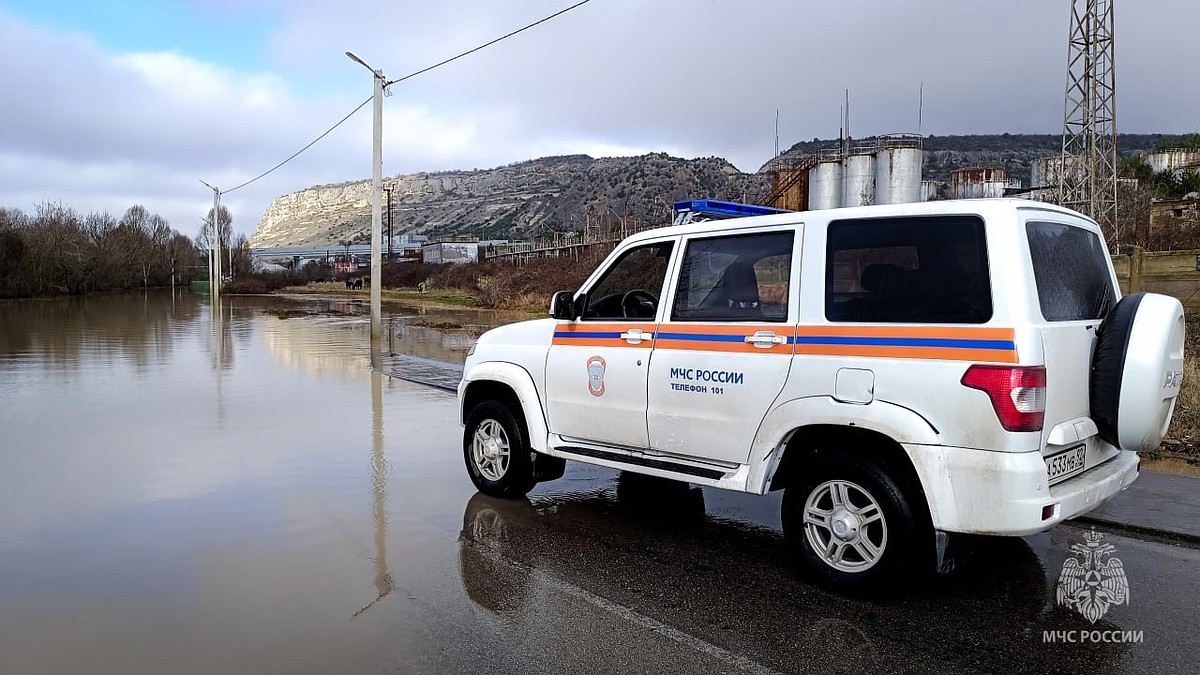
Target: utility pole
x=214 y=248
x=1088 y=176
x=376 y=211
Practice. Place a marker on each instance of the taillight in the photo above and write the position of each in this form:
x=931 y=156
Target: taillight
x=1018 y=393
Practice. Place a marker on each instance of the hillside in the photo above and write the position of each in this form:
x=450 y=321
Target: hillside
x=524 y=199
x=564 y=193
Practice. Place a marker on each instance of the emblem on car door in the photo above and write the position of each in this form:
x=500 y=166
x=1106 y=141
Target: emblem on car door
x=595 y=370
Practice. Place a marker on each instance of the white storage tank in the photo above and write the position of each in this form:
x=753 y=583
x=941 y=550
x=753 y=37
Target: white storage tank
x=858 y=178
x=1045 y=171
x=898 y=175
x=825 y=184
x=1173 y=160
x=930 y=189
x=977 y=183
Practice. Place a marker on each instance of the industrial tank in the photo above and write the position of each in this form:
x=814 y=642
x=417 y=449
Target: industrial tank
x=789 y=187
x=858 y=178
x=1045 y=171
x=1173 y=160
x=825 y=184
x=930 y=189
x=898 y=175
x=979 y=182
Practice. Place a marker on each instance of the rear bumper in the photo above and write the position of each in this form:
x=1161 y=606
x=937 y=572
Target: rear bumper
x=999 y=493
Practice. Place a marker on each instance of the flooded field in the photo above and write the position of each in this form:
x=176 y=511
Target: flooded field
x=179 y=496
x=184 y=493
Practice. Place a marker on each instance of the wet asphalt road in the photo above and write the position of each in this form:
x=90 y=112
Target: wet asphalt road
x=608 y=572
x=315 y=519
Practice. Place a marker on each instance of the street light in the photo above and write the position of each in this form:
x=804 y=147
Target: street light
x=376 y=210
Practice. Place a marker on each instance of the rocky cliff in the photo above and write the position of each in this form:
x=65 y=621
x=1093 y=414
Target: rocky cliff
x=567 y=193
x=515 y=201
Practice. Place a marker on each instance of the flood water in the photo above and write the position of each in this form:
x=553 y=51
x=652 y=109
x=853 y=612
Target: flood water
x=183 y=495
x=240 y=493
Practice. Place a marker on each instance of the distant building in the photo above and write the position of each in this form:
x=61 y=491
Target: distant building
x=260 y=266
x=452 y=250
x=1175 y=213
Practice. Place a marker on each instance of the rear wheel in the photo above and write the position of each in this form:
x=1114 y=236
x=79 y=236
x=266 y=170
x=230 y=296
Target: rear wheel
x=850 y=524
x=497 y=453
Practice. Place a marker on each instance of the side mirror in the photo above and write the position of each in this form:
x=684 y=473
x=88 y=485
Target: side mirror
x=562 y=306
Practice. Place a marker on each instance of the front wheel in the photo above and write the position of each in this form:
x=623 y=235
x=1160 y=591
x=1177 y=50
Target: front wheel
x=497 y=454
x=851 y=524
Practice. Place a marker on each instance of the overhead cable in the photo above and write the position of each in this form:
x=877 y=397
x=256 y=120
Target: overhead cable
x=401 y=79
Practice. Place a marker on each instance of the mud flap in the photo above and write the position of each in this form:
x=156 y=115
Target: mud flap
x=547 y=468
x=951 y=552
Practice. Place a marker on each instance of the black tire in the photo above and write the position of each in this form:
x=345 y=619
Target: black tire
x=1108 y=366
x=511 y=478
x=899 y=536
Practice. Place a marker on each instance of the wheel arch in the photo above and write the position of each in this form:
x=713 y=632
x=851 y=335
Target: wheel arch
x=513 y=386
x=803 y=420
x=807 y=444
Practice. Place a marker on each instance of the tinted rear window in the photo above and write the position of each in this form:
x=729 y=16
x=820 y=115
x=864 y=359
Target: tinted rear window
x=908 y=270
x=1071 y=269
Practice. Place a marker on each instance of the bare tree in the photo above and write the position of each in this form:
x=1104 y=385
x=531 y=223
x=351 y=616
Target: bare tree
x=224 y=229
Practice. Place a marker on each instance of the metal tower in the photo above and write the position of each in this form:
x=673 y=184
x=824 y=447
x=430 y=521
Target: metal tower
x=1088 y=177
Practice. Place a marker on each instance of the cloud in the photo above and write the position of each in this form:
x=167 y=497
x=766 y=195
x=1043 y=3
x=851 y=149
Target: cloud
x=92 y=127
x=181 y=79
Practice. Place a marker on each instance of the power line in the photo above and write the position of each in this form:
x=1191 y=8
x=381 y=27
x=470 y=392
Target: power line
x=297 y=153
x=401 y=79
x=488 y=44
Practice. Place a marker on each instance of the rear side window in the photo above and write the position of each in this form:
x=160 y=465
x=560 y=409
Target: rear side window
x=1071 y=269
x=908 y=270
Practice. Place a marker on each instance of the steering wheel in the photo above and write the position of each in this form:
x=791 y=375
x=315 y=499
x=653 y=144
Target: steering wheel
x=634 y=304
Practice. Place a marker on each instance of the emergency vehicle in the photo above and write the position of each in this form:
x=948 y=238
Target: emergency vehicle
x=902 y=372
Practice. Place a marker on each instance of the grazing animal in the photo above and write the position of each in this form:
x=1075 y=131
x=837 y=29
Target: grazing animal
x=358 y=284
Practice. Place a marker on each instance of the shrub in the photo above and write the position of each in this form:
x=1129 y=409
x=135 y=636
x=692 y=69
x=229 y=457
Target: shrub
x=264 y=282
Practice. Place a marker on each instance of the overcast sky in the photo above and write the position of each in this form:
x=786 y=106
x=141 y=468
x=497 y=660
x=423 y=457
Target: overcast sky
x=110 y=104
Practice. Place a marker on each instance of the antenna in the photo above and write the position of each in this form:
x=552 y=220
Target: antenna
x=848 y=136
x=920 y=105
x=845 y=148
x=841 y=126
x=777 y=132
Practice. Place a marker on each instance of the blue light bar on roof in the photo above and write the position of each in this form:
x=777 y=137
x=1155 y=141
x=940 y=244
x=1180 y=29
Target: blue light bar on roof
x=719 y=209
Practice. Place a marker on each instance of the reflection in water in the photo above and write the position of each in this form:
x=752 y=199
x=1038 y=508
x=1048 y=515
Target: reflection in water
x=72 y=333
x=334 y=336
x=221 y=338
x=383 y=578
x=514 y=554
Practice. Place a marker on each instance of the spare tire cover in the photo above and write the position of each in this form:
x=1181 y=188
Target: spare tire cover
x=1137 y=369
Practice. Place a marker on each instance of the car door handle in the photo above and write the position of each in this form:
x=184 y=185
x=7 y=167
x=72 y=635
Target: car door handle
x=634 y=336
x=765 y=339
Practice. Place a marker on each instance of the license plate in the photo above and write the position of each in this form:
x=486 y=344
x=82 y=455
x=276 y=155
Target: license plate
x=1064 y=464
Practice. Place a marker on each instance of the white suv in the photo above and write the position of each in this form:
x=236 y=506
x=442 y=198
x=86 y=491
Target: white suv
x=902 y=371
